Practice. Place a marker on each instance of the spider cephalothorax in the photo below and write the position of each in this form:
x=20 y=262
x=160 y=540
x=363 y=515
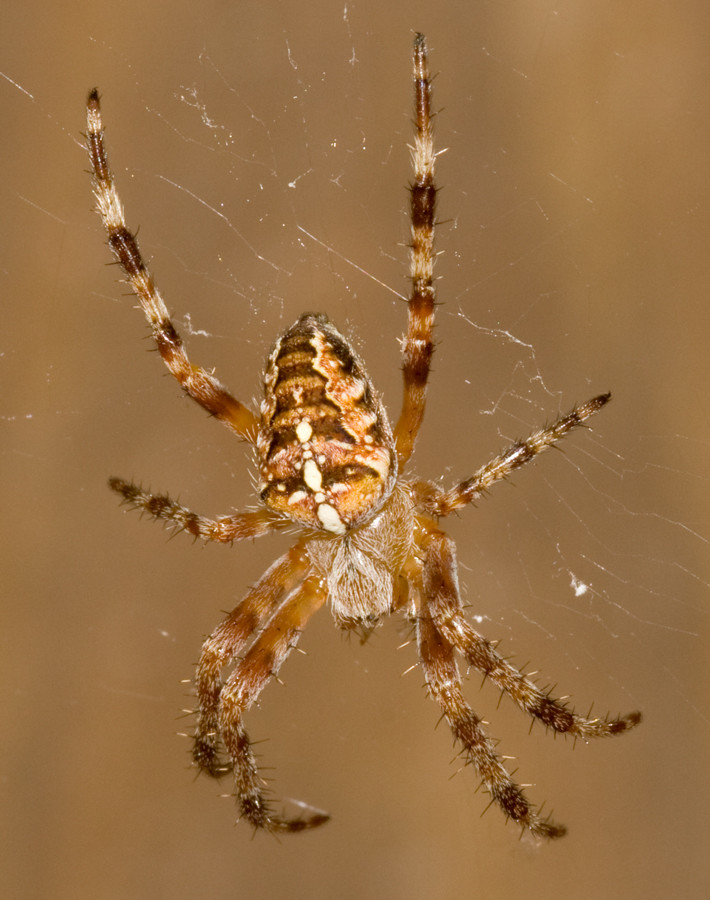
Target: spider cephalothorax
x=331 y=465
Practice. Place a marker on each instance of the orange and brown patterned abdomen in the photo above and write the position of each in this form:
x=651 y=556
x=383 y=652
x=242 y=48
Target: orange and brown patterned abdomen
x=326 y=452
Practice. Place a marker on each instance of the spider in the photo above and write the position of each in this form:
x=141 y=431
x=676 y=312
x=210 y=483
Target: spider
x=331 y=468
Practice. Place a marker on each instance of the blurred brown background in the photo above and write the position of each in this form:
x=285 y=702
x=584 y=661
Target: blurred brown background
x=574 y=235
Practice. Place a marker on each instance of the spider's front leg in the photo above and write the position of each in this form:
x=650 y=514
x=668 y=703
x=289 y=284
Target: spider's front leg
x=437 y=656
x=444 y=604
x=442 y=630
x=200 y=384
x=262 y=661
x=228 y=640
x=444 y=682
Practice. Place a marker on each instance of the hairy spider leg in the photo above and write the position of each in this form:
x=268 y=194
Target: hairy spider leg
x=228 y=640
x=224 y=529
x=200 y=384
x=520 y=453
x=444 y=683
x=262 y=661
x=417 y=346
x=444 y=606
x=441 y=630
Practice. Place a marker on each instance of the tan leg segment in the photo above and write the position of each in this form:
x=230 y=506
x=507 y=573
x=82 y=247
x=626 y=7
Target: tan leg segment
x=417 y=347
x=251 y=675
x=228 y=641
x=200 y=384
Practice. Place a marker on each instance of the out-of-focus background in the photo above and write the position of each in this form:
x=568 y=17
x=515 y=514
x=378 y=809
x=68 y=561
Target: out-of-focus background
x=262 y=150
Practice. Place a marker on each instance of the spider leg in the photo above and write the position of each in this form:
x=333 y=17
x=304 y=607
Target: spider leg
x=225 y=529
x=444 y=604
x=442 y=503
x=417 y=346
x=444 y=682
x=201 y=385
x=246 y=682
x=228 y=640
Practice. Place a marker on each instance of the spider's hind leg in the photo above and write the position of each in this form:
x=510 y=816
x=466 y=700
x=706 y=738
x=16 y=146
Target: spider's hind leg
x=199 y=383
x=417 y=346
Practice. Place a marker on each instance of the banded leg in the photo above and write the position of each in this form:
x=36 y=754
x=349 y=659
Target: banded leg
x=225 y=529
x=442 y=503
x=228 y=640
x=444 y=604
x=444 y=682
x=201 y=385
x=417 y=347
x=249 y=678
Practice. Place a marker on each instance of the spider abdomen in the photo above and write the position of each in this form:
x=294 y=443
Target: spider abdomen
x=325 y=446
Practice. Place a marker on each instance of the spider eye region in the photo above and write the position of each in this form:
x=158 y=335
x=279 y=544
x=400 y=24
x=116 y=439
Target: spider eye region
x=326 y=453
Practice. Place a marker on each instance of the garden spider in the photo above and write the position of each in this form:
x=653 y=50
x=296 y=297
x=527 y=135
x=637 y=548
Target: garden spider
x=331 y=467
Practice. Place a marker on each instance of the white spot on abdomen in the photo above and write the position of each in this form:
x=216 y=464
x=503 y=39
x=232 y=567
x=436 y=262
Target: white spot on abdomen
x=312 y=475
x=304 y=432
x=329 y=518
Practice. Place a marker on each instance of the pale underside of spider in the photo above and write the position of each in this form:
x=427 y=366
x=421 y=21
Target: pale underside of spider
x=332 y=468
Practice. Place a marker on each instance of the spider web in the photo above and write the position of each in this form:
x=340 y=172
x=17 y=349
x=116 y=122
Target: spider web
x=272 y=181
